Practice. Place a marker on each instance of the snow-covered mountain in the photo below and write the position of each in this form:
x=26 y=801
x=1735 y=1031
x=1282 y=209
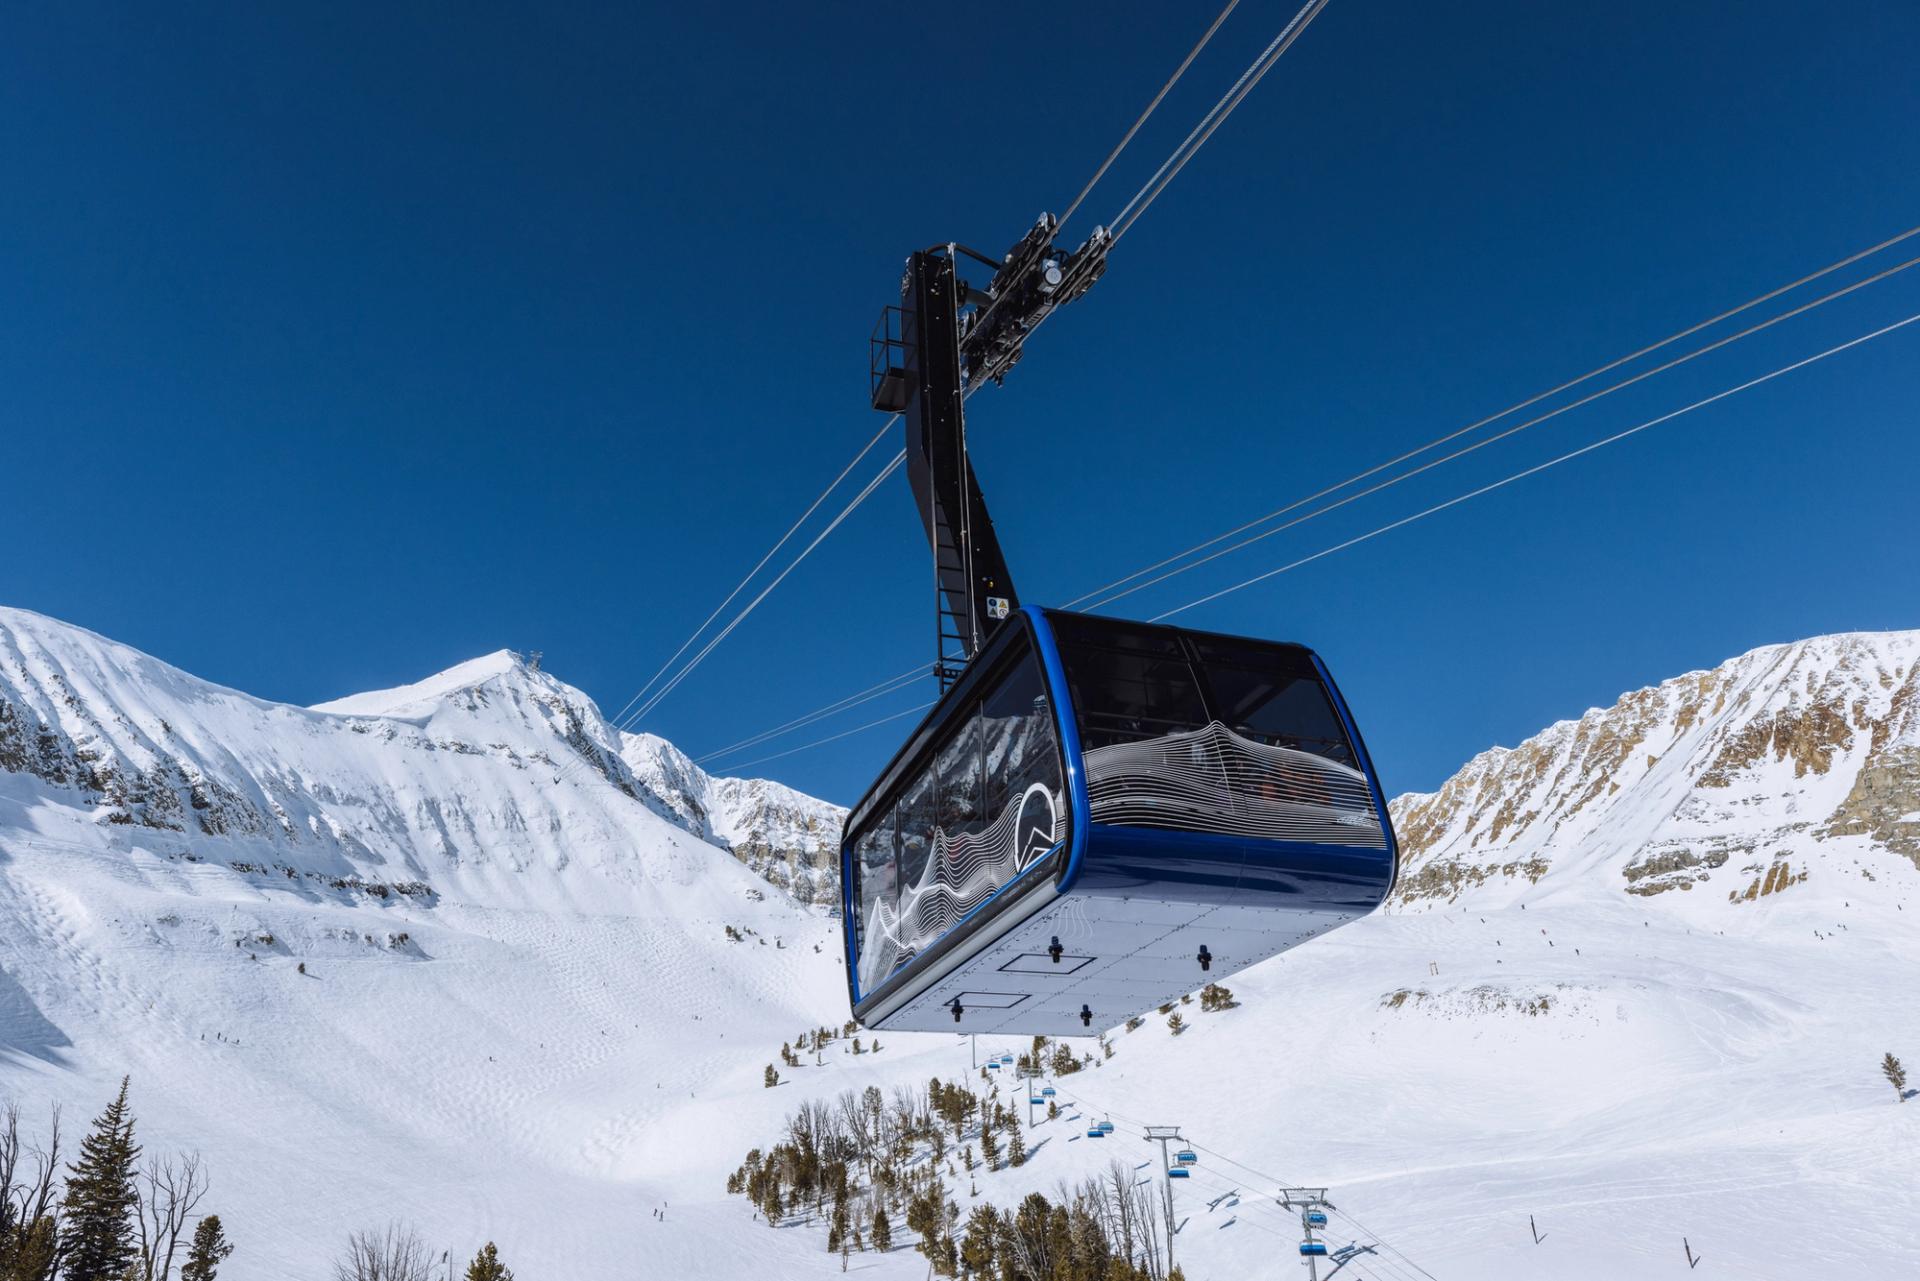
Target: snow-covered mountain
x=491 y=764
x=461 y=955
x=1742 y=782
x=788 y=837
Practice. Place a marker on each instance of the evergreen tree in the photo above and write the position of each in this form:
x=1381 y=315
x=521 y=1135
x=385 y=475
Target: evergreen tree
x=977 y=1245
x=28 y=1251
x=1016 y=1146
x=1896 y=1075
x=882 y=1232
x=772 y=1077
x=1175 y=1023
x=96 y=1237
x=1215 y=997
x=209 y=1250
x=486 y=1266
x=989 y=1147
x=837 y=1230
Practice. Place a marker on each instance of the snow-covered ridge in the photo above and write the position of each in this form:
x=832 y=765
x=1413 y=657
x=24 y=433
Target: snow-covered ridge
x=788 y=837
x=488 y=768
x=1786 y=762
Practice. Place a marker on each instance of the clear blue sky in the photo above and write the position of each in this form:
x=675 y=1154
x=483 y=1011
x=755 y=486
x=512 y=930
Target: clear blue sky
x=338 y=347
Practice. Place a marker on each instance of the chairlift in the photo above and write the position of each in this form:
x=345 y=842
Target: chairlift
x=1315 y=1219
x=1106 y=1127
x=1186 y=1158
x=1047 y=1093
x=1314 y=1249
x=1096 y=1133
x=1178 y=1172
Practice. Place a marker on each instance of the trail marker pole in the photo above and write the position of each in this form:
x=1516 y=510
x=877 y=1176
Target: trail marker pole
x=1693 y=1260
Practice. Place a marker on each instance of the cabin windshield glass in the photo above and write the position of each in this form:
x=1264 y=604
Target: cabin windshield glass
x=983 y=801
x=1212 y=734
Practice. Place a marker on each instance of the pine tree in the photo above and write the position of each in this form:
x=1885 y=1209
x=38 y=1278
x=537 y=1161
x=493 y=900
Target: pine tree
x=882 y=1233
x=486 y=1266
x=1175 y=1022
x=1016 y=1146
x=1896 y=1075
x=96 y=1237
x=28 y=1251
x=989 y=1147
x=772 y=1077
x=209 y=1250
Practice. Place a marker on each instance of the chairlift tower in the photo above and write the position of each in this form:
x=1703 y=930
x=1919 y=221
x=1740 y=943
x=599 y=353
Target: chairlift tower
x=1163 y=1135
x=1312 y=1204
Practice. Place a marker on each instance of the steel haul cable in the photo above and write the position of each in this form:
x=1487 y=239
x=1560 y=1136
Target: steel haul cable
x=1190 y=147
x=1174 y=79
x=1515 y=430
x=758 y=566
x=1530 y=401
x=1540 y=467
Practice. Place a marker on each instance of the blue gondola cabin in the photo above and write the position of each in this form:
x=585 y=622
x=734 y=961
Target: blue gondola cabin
x=1100 y=816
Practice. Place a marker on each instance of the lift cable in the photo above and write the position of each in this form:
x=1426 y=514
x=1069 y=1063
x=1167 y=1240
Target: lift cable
x=1137 y=1126
x=1514 y=430
x=1105 y=597
x=758 y=566
x=1178 y=71
x=1190 y=147
x=1530 y=401
x=766 y=591
x=761 y=760
x=1540 y=467
x=866 y=695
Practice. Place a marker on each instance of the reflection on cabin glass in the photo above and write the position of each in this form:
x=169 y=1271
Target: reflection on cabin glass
x=1212 y=734
x=978 y=806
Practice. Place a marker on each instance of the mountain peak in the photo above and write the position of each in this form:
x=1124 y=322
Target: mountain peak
x=405 y=702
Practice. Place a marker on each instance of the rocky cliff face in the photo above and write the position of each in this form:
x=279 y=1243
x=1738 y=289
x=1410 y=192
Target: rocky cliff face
x=1786 y=763
x=787 y=837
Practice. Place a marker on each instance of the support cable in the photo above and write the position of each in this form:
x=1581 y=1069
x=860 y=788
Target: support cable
x=1515 y=430
x=1530 y=401
x=1540 y=467
x=1172 y=80
x=1190 y=146
x=866 y=695
x=758 y=566
x=739 y=618
x=761 y=760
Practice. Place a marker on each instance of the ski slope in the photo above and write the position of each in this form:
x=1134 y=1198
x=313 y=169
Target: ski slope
x=566 y=1038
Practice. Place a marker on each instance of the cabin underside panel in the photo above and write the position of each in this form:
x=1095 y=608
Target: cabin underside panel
x=1120 y=957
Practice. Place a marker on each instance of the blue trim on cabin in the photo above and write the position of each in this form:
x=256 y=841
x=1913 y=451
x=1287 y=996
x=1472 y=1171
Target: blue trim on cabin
x=1066 y=727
